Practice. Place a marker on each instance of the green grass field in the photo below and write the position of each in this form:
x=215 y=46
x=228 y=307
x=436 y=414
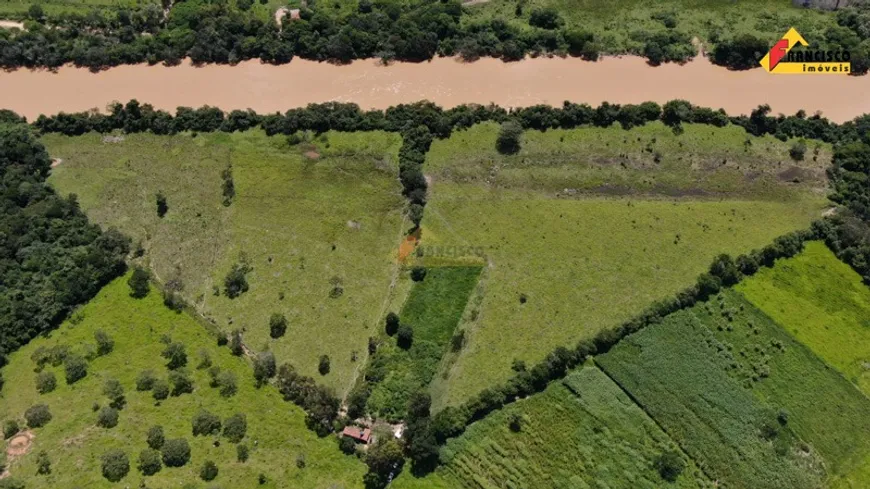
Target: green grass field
x=590 y=229
x=433 y=309
x=704 y=161
x=308 y=218
x=18 y=8
x=276 y=432
x=623 y=26
x=673 y=371
x=822 y=302
x=583 y=432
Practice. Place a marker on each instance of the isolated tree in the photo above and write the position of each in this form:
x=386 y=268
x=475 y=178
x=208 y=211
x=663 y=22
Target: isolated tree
x=176 y=452
x=43 y=464
x=175 y=355
x=10 y=428
x=236 y=347
x=236 y=282
x=181 y=382
x=515 y=422
x=105 y=343
x=75 y=368
x=139 y=283
x=391 y=324
x=204 y=359
x=162 y=206
x=37 y=416
x=418 y=274
x=277 y=325
x=45 y=382
x=205 y=423
x=155 y=437
x=242 y=453
x=226 y=381
x=145 y=380
x=405 y=336
x=115 y=392
x=264 y=367
x=797 y=150
x=149 y=462
x=235 y=427
x=107 y=417
x=509 y=137
x=115 y=465
x=36 y=13
x=208 y=471
x=160 y=390
x=323 y=365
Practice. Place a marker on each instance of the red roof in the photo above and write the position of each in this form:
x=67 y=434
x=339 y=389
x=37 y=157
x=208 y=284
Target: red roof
x=357 y=434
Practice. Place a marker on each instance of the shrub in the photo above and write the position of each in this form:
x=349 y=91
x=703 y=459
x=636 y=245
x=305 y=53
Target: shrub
x=204 y=359
x=43 y=464
x=160 y=390
x=181 y=382
x=235 y=427
x=670 y=465
x=139 y=283
x=509 y=137
x=347 y=445
x=11 y=483
x=405 y=336
x=797 y=150
x=145 y=380
x=176 y=452
x=209 y=471
x=75 y=368
x=10 y=428
x=108 y=417
x=323 y=365
x=175 y=355
x=45 y=382
x=515 y=422
x=242 y=453
x=116 y=465
x=162 y=206
x=37 y=416
x=236 y=282
x=391 y=323
x=149 y=462
x=227 y=383
x=115 y=392
x=418 y=274
x=205 y=423
x=155 y=437
x=264 y=367
x=545 y=18
x=277 y=325
x=105 y=343
x=236 y=347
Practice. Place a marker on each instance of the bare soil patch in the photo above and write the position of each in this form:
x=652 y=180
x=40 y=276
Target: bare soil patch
x=17 y=446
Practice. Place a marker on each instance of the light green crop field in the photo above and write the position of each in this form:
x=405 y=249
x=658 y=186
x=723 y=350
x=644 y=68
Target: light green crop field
x=680 y=376
x=17 y=8
x=309 y=219
x=276 y=433
x=622 y=26
x=823 y=303
x=823 y=408
x=704 y=161
x=583 y=432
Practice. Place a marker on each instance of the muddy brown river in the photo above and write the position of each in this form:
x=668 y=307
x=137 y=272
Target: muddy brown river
x=445 y=81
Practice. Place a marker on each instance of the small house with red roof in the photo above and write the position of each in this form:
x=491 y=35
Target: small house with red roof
x=362 y=436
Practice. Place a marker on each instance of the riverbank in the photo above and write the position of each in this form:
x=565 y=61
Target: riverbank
x=446 y=81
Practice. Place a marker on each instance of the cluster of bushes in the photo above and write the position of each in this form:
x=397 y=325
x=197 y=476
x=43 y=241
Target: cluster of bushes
x=319 y=402
x=724 y=271
x=51 y=258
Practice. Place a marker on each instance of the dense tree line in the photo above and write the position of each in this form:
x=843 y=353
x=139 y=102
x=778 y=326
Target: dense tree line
x=209 y=31
x=51 y=258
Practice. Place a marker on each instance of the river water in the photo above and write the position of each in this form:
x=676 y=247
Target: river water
x=445 y=81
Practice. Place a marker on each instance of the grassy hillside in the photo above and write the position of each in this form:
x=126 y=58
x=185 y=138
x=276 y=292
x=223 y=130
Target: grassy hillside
x=673 y=371
x=276 y=432
x=581 y=433
x=309 y=219
x=590 y=229
x=822 y=302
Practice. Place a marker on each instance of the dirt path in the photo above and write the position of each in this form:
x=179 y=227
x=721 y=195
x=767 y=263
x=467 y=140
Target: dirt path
x=445 y=81
x=11 y=24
